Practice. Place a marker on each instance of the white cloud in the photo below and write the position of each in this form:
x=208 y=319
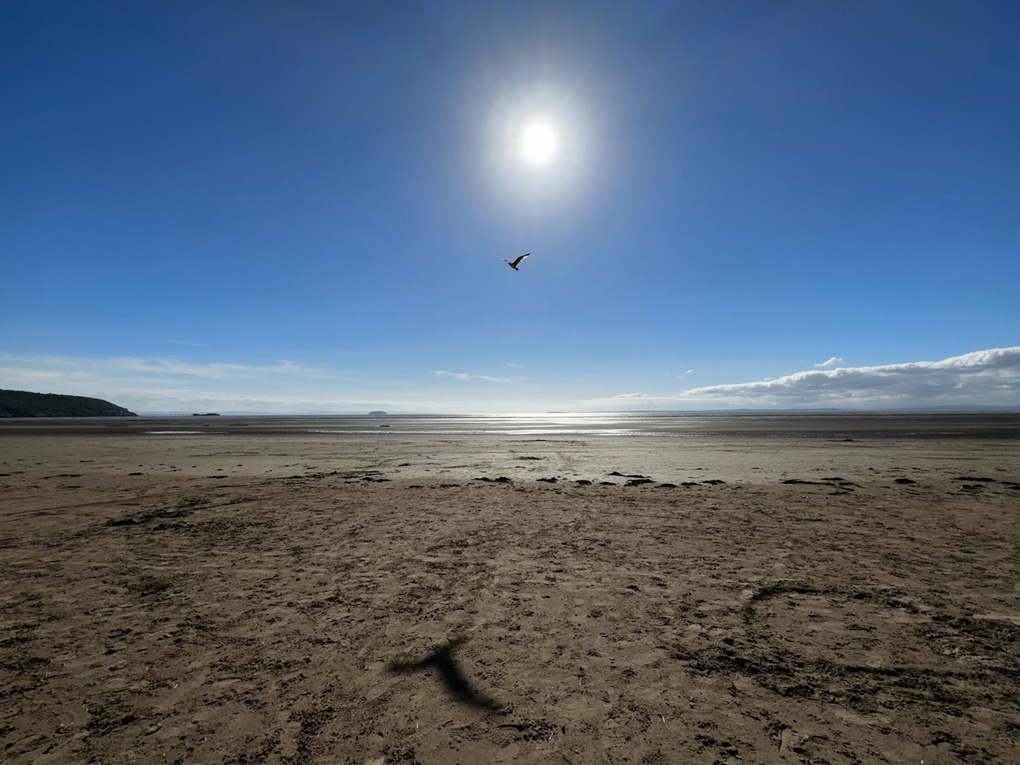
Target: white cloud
x=215 y=371
x=158 y=384
x=830 y=362
x=285 y=387
x=68 y=366
x=981 y=378
x=188 y=342
x=465 y=376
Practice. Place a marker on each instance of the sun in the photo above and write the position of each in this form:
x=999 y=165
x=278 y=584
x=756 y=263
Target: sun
x=538 y=142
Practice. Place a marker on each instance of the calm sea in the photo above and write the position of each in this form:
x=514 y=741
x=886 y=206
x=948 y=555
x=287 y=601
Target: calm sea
x=658 y=424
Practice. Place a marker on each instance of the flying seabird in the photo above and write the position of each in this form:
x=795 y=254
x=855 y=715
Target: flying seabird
x=513 y=264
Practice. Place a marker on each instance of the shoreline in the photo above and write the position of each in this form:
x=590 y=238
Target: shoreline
x=1002 y=424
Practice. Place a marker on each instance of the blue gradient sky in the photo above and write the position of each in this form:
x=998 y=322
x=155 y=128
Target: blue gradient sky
x=304 y=206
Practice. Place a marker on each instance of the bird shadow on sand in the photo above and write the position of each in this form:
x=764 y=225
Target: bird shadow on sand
x=449 y=674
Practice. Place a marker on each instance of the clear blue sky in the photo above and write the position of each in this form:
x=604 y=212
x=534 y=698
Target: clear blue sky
x=304 y=206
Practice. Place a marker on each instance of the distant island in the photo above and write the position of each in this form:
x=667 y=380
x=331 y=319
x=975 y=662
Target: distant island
x=205 y=414
x=376 y=413
x=19 y=403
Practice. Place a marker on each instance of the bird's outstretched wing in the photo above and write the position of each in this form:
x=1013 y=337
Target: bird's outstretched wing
x=519 y=259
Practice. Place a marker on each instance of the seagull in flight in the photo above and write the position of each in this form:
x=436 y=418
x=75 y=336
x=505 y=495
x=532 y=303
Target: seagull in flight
x=515 y=261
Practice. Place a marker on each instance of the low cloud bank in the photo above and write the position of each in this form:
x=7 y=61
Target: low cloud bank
x=980 y=378
x=988 y=378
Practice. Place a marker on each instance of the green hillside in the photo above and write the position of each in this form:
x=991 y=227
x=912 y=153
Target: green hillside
x=19 y=403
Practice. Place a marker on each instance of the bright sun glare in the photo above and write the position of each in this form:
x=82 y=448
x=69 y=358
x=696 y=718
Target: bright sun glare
x=538 y=142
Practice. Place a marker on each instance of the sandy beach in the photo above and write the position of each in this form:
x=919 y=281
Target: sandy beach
x=751 y=591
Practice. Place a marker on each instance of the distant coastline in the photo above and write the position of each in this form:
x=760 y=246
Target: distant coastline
x=949 y=410
x=20 y=403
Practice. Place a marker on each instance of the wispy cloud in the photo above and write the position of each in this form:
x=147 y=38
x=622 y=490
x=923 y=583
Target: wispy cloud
x=830 y=362
x=981 y=378
x=161 y=384
x=157 y=384
x=189 y=343
x=16 y=367
x=465 y=376
x=215 y=371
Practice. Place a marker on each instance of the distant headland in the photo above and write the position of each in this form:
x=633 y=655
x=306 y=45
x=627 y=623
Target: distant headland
x=19 y=403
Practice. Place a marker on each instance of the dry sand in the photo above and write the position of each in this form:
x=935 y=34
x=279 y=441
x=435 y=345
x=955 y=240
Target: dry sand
x=287 y=598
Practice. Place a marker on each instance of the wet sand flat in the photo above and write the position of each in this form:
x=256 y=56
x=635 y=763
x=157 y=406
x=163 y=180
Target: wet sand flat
x=748 y=593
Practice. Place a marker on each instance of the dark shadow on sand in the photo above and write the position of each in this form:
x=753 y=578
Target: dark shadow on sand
x=449 y=675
